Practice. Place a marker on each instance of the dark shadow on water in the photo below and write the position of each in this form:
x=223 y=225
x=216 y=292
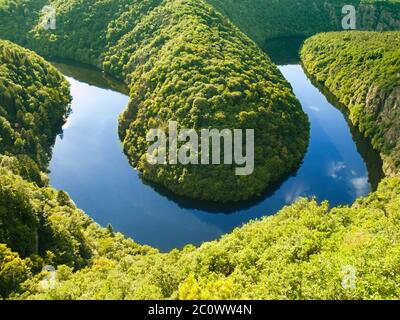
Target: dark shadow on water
x=90 y=75
x=283 y=51
x=220 y=208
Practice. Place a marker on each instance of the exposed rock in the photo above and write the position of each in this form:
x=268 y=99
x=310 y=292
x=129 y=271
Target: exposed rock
x=384 y=106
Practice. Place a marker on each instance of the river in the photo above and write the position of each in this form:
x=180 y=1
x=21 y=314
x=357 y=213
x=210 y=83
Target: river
x=89 y=164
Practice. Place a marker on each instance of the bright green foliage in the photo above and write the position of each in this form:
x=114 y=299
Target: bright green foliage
x=184 y=61
x=362 y=69
x=17 y=17
x=34 y=101
x=25 y=167
x=268 y=19
x=259 y=19
x=85 y=29
x=301 y=253
x=37 y=221
x=45 y=225
x=194 y=69
x=13 y=271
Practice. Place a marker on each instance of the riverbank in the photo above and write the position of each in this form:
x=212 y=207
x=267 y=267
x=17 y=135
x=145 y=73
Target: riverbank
x=361 y=69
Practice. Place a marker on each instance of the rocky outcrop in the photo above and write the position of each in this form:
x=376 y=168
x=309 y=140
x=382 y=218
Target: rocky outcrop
x=384 y=107
x=378 y=17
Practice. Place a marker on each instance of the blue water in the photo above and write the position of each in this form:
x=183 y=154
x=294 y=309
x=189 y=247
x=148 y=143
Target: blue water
x=89 y=164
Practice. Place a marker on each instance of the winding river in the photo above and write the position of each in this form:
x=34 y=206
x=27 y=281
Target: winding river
x=89 y=164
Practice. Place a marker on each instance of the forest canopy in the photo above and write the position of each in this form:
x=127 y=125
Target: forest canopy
x=262 y=20
x=34 y=103
x=300 y=253
x=361 y=69
x=183 y=61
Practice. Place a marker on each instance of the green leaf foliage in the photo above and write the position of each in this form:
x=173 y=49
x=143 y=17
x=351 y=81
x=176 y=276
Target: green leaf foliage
x=301 y=253
x=362 y=70
x=34 y=102
x=184 y=61
x=268 y=19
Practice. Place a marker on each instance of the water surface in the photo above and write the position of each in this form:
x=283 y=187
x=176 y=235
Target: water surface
x=88 y=163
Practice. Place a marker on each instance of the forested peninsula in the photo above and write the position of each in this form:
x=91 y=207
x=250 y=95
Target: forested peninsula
x=297 y=254
x=184 y=61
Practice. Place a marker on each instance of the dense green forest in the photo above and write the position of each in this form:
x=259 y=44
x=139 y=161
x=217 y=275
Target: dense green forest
x=34 y=101
x=38 y=224
x=300 y=253
x=362 y=69
x=41 y=226
x=267 y=19
x=184 y=61
x=179 y=57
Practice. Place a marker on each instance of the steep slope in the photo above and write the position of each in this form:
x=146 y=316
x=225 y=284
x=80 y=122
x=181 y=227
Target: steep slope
x=362 y=69
x=304 y=252
x=41 y=226
x=183 y=61
x=268 y=19
x=38 y=224
x=34 y=102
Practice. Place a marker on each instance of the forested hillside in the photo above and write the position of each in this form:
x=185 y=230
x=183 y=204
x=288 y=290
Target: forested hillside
x=170 y=55
x=301 y=253
x=184 y=61
x=198 y=69
x=39 y=225
x=362 y=69
x=268 y=19
x=34 y=102
x=18 y=17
